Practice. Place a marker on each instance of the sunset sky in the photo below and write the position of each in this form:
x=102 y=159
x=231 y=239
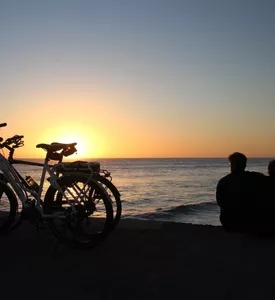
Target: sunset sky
x=139 y=78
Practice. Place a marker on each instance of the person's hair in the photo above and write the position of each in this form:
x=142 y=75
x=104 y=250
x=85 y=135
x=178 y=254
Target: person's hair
x=238 y=160
x=271 y=168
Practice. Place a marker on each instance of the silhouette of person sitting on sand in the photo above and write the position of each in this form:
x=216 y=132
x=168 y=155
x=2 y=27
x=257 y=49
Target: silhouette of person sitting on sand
x=269 y=201
x=271 y=169
x=266 y=207
x=271 y=186
x=238 y=195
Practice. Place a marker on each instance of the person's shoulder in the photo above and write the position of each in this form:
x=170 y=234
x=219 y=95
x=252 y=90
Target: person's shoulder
x=255 y=178
x=226 y=176
x=254 y=174
x=224 y=179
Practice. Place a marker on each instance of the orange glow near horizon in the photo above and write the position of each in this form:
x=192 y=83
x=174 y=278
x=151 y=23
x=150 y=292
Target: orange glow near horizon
x=88 y=142
x=82 y=135
x=102 y=130
x=129 y=139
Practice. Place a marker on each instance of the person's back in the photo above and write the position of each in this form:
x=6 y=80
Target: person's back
x=254 y=195
x=271 y=178
x=229 y=194
x=238 y=196
x=268 y=207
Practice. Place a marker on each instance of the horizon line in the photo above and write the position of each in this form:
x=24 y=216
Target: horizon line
x=169 y=157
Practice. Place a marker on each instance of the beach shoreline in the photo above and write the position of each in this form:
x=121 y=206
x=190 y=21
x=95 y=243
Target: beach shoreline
x=140 y=260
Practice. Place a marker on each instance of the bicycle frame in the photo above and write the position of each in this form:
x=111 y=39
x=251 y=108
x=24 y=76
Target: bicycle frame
x=21 y=187
x=78 y=194
x=19 y=184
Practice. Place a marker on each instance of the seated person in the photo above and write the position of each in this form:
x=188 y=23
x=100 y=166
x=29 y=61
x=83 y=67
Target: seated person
x=271 y=168
x=268 y=209
x=238 y=195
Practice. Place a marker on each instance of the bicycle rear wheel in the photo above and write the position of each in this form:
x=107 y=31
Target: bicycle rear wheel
x=83 y=216
x=114 y=195
x=8 y=207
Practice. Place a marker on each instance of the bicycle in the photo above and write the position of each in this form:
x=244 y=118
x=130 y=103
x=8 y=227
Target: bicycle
x=102 y=176
x=84 y=200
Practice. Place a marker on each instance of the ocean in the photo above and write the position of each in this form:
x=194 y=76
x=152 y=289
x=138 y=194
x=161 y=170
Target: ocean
x=170 y=189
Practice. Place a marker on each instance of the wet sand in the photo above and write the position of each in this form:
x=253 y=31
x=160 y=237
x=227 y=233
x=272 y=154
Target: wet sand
x=139 y=260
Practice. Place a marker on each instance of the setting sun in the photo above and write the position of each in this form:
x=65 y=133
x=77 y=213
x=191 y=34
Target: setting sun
x=82 y=146
x=72 y=133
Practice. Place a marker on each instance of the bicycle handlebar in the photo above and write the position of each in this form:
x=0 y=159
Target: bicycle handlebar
x=16 y=139
x=2 y=125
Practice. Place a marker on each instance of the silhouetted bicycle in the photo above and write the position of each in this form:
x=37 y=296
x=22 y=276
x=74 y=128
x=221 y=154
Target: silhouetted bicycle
x=77 y=204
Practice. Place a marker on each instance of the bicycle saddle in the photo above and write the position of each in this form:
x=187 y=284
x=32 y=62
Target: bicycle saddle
x=55 y=146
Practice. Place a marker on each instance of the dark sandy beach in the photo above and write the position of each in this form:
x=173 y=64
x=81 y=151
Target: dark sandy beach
x=139 y=260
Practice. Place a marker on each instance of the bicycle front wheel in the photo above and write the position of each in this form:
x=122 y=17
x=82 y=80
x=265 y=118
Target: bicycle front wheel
x=83 y=215
x=8 y=207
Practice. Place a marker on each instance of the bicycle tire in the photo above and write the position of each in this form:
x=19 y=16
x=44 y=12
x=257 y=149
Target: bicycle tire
x=73 y=232
x=8 y=207
x=107 y=184
x=113 y=194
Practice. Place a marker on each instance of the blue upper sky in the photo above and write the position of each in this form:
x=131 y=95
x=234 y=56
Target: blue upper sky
x=199 y=71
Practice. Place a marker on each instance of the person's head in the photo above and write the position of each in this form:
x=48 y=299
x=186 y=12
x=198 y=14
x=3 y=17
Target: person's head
x=271 y=168
x=237 y=162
